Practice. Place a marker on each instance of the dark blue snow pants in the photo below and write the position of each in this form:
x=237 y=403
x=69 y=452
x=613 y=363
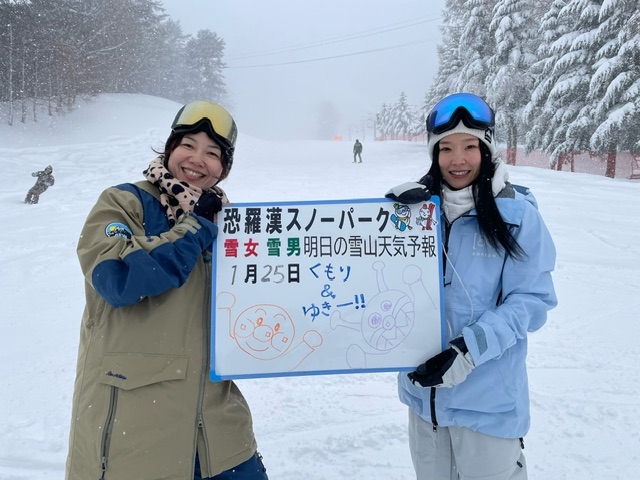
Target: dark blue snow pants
x=252 y=469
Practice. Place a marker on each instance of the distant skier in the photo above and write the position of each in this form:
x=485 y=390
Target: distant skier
x=44 y=181
x=357 y=151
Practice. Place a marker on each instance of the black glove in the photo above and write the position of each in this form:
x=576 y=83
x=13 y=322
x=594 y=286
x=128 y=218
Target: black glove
x=447 y=368
x=409 y=192
x=207 y=205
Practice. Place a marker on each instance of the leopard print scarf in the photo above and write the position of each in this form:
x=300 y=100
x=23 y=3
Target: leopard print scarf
x=177 y=198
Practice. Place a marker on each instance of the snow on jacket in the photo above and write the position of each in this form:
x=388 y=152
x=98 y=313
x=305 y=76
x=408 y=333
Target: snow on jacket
x=493 y=301
x=143 y=402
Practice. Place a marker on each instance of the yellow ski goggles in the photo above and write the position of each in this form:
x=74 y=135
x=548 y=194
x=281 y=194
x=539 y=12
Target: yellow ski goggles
x=210 y=118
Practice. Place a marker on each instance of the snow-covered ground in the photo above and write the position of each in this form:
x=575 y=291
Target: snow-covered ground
x=584 y=364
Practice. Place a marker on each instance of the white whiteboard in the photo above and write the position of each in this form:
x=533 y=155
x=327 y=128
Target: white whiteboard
x=316 y=288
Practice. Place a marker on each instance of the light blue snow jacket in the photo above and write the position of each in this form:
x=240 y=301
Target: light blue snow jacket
x=493 y=301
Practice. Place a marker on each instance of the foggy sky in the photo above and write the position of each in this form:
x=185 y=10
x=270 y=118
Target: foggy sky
x=282 y=101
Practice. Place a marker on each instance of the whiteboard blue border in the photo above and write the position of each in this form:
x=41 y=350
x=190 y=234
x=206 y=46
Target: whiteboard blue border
x=214 y=262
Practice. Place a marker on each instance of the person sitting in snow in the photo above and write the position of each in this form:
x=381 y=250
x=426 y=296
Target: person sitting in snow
x=44 y=181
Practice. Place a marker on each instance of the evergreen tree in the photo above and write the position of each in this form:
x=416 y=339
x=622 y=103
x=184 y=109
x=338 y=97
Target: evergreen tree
x=475 y=47
x=421 y=116
x=614 y=89
x=510 y=82
x=113 y=42
x=383 y=118
x=584 y=17
x=561 y=84
x=403 y=119
x=53 y=52
x=204 y=66
x=168 y=79
x=449 y=64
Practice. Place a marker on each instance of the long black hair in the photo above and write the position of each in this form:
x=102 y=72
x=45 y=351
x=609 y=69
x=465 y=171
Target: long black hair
x=491 y=223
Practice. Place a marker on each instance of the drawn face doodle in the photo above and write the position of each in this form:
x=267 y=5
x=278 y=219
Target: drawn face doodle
x=425 y=212
x=264 y=331
x=403 y=211
x=387 y=320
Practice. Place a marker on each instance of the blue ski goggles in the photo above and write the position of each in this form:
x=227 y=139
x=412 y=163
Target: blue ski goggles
x=210 y=118
x=448 y=112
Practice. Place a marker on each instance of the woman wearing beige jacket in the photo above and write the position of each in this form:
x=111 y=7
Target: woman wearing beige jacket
x=143 y=406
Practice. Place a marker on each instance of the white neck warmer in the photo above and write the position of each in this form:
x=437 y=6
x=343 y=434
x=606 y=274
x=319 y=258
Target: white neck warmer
x=458 y=202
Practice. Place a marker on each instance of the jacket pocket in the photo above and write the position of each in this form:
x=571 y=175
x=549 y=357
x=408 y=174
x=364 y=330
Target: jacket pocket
x=143 y=395
x=484 y=390
x=133 y=370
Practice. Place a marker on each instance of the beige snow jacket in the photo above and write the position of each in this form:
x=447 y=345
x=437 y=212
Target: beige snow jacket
x=143 y=403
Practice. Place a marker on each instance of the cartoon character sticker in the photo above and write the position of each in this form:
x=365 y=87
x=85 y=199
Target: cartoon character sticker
x=426 y=217
x=402 y=217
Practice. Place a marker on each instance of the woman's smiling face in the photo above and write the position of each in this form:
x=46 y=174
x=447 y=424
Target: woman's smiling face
x=197 y=160
x=459 y=159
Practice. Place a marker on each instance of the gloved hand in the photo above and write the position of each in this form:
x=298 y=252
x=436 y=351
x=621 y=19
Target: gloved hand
x=447 y=368
x=409 y=192
x=207 y=205
x=192 y=224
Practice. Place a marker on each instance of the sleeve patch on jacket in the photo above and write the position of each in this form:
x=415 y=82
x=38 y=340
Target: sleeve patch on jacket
x=481 y=338
x=117 y=229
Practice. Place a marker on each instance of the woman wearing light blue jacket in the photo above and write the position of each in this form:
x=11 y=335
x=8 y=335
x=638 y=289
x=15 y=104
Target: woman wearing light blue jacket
x=469 y=405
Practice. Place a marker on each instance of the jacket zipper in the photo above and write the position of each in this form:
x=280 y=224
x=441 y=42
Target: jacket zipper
x=432 y=407
x=432 y=394
x=108 y=429
x=206 y=312
x=445 y=244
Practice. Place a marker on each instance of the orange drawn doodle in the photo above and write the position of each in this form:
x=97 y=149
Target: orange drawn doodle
x=267 y=332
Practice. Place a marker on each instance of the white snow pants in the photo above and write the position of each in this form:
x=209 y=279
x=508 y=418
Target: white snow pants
x=458 y=453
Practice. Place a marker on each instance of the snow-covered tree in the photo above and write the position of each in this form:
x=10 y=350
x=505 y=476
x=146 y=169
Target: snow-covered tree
x=509 y=81
x=204 y=67
x=476 y=46
x=561 y=82
x=421 y=116
x=568 y=68
x=583 y=16
x=449 y=65
x=52 y=52
x=558 y=108
x=383 y=121
x=402 y=118
x=169 y=82
x=614 y=89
